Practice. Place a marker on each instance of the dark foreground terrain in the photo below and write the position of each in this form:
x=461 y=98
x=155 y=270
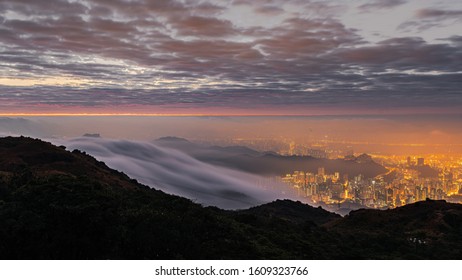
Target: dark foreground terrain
x=56 y=204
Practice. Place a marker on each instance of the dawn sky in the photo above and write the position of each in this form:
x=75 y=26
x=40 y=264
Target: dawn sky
x=230 y=57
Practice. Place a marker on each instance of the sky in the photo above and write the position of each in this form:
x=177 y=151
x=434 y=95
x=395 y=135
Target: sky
x=230 y=57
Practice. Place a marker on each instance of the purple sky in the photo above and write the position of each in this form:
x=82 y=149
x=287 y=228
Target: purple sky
x=230 y=57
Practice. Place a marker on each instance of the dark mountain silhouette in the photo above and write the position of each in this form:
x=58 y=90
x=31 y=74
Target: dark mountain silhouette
x=295 y=212
x=56 y=204
x=245 y=159
x=432 y=228
x=426 y=171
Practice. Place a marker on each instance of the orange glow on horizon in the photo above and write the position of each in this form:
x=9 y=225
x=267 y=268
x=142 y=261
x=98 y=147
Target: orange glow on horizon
x=152 y=115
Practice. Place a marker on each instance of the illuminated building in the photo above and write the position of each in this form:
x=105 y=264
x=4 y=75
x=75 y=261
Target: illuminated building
x=421 y=193
x=406 y=185
x=409 y=163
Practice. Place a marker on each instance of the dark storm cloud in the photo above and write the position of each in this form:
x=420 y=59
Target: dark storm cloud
x=381 y=4
x=429 y=18
x=44 y=7
x=410 y=53
x=269 y=10
x=322 y=8
x=298 y=37
x=203 y=27
x=185 y=52
x=456 y=40
x=435 y=13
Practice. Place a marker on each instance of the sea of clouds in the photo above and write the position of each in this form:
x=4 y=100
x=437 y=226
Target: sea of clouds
x=167 y=169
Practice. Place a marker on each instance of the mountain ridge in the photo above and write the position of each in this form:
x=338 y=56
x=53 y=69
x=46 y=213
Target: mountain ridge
x=267 y=163
x=56 y=204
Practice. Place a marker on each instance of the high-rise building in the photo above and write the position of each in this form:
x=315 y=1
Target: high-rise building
x=421 y=193
x=313 y=189
x=389 y=196
x=420 y=162
x=321 y=171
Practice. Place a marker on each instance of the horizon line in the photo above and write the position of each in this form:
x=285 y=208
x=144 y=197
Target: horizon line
x=211 y=114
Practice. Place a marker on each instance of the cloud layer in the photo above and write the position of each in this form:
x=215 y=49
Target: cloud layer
x=177 y=173
x=71 y=56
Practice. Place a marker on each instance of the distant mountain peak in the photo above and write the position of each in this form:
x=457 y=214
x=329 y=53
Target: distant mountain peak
x=293 y=211
x=362 y=158
x=92 y=135
x=172 y=139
